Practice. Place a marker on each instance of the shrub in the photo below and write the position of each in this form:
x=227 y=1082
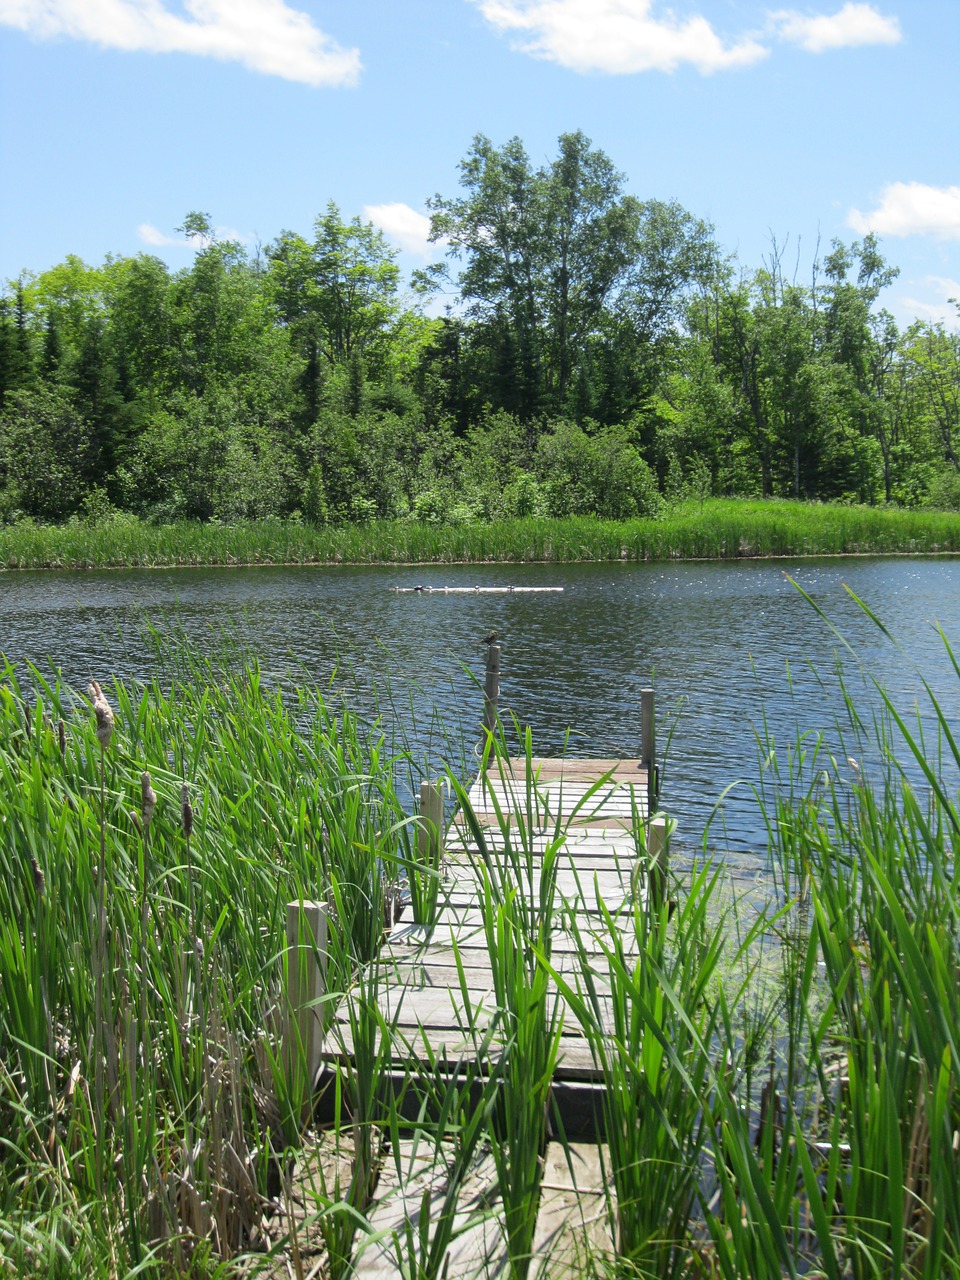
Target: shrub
x=430 y=507
x=315 y=497
x=943 y=492
x=601 y=475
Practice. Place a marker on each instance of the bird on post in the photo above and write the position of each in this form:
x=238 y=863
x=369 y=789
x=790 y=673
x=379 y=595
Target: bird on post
x=491 y=638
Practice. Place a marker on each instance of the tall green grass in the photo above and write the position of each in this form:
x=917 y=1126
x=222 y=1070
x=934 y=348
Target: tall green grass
x=722 y=529
x=762 y=1117
x=143 y=984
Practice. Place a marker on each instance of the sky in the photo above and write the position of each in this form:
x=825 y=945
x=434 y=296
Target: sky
x=792 y=126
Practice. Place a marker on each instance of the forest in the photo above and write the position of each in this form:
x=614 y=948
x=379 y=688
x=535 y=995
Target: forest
x=579 y=351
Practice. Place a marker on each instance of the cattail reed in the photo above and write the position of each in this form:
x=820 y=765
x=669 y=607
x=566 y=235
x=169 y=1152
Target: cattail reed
x=62 y=736
x=104 y=714
x=148 y=805
x=39 y=880
x=148 y=800
x=186 y=811
x=186 y=826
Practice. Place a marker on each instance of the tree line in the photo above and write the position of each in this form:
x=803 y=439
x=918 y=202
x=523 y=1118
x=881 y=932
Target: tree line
x=597 y=353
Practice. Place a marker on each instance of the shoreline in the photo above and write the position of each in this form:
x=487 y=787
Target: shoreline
x=454 y=564
x=722 y=530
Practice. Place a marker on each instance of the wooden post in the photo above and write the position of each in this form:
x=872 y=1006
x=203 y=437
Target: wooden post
x=491 y=690
x=430 y=826
x=658 y=851
x=306 y=977
x=648 y=748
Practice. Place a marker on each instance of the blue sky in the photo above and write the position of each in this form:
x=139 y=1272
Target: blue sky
x=829 y=119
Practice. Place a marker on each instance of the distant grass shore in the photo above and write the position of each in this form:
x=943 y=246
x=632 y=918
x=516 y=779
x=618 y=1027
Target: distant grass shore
x=723 y=529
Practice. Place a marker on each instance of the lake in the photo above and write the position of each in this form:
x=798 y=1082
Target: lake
x=728 y=647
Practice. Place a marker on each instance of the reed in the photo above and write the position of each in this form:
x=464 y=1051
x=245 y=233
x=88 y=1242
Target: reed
x=720 y=529
x=854 y=1168
x=645 y=1000
x=141 y=1090
x=150 y=940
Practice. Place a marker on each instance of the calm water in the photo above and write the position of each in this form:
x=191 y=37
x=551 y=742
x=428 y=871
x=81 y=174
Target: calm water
x=725 y=646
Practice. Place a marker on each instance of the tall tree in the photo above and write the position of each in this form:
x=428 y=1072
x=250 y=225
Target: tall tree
x=41 y=439
x=936 y=356
x=540 y=249
x=337 y=295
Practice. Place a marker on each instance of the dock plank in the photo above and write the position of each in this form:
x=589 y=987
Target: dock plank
x=574 y=1217
x=408 y=1173
x=478 y=1248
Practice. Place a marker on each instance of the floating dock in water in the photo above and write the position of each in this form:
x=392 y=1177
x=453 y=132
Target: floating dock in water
x=474 y=591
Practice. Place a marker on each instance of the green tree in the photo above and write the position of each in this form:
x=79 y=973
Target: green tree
x=138 y=294
x=859 y=344
x=211 y=305
x=935 y=354
x=540 y=251
x=337 y=296
x=42 y=439
x=94 y=379
x=8 y=350
x=674 y=260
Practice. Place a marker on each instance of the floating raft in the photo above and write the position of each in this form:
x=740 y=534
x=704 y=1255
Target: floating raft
x=472 y=591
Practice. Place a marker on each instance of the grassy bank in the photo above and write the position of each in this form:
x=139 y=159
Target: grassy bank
x=723 y=529
x=796 y=1117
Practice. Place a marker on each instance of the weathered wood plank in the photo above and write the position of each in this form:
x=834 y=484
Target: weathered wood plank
x=441 y=970
x=574 y=1219
x=413 y=1044
x=480 y=1246
x=408 y=1006
x=414 y=1169
x=547 y=767
x=469 y=941
x=459 y=922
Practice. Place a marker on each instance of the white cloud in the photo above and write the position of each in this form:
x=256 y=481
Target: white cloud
x=854 y=24
x=264 y=35
x=911 y=209
x=618 y=37
x=153 y=236
x=231 y=235
x=157 y=239
x=405 y=226
x=940 y=306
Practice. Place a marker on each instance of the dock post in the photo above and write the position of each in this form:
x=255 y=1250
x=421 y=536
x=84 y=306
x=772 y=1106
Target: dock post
x=658 y=851
x=491 y=691
x=423 y=876
x=306 y=981
x=430 y=826
x=648 y=749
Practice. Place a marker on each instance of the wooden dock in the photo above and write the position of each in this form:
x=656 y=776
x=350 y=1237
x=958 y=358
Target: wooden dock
x=592 y=824
x=436 y=993
x=436 y=985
